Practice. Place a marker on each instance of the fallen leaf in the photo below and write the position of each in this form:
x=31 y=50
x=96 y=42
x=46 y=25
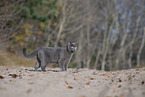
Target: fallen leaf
x=120 y=79
x=119 y=86
x=13 y=75
x=1 y=77
x=115 y=90
x=10 y=80
x=66 y=82
x=43 y=73
x=137 y=69
x=82 y=96
x=70 y=87
x=31 y=83
x=86 y=86
x=78 y=76
x=88 y=83
x=113 y=73
x=142 y=82
x=107 y=73
x=105 y=79
x=24 y=74
x=122 y=95
x=31 y=75
x=29 y=90
x=92 y=78
x=133 y=76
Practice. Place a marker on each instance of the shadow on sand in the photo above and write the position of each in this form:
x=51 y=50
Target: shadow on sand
x=44 y=71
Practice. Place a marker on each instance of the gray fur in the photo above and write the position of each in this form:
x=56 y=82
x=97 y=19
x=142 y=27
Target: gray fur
x=48 y=55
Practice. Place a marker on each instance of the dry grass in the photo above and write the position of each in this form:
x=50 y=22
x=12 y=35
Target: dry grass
x=8 y=59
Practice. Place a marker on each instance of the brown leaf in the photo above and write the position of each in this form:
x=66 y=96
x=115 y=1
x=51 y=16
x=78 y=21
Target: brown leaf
x=13 y=75
x=1 y=77
x=78 y=76
x=133 y=76
x=43 y=73
x=29 y=90
x=120 y=79
x=107 y=73
x=86 y=86
x=92 y=78
x=10 y=80
x=115 y=90
x=119 y=86
x=82 y=96
x=66 y=82
x=122 y=95
x=113 y=73
x=31 y=75
x=88 y=83
x=137 y=69
x=70 y=87
x=142 y=82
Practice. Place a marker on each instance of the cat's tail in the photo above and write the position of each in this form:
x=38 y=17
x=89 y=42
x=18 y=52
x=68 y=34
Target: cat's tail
x=30 y=55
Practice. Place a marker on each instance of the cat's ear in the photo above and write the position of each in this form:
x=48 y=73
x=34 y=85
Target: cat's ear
x=69 y=43
x=76 y=44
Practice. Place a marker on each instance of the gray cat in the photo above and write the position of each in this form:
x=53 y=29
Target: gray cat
x=48 y=55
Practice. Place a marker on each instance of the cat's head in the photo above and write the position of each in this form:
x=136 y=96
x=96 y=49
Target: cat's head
x=72 y=47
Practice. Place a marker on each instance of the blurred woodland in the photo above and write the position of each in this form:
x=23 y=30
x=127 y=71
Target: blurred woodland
x=110 y=33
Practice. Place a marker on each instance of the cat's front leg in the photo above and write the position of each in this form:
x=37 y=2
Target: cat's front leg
x=66 y=65
x=61 y=64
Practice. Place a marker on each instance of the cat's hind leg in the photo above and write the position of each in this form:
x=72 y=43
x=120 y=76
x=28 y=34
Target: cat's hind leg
x=37 y=65
x=43 y=66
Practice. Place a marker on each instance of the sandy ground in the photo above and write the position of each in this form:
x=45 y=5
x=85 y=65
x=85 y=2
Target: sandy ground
x=25 y=82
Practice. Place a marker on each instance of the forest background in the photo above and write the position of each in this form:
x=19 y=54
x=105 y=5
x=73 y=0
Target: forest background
x=110 y=33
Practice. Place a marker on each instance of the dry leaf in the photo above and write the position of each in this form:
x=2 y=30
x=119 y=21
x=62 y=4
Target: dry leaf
x=78 y=76
x=1 y=77
x=31 y=75
x=113 y=73
x=120 y=79
x=92 y=78
x=142 y=82
x=70 y=87
x=119 y=86
x=29 y=90
x=133 y=76
x=82 y=96
x=107 y=73
x=10 y=80
x=122 y=95
x=86 y=86
x=105 y=79
x=88 y=83
x=43 y=73
x=66 y=82
x=24 y=74
x=137 y=69
x=115 y=90
x=13 y=75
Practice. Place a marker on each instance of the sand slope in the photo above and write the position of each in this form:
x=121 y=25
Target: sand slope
x=24 y=82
